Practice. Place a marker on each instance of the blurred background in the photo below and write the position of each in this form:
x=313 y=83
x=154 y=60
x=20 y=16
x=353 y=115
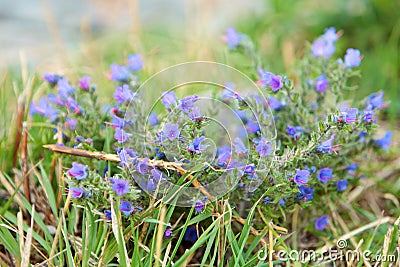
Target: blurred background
x=83 y=37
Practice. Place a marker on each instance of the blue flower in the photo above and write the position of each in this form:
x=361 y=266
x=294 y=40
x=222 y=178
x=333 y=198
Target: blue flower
x=195 y=147
x=172 y=131
x=121 y=136
x=294 y=131
x=123 y=94
x=274 y=103
x=351 y=116
x=126 y=208
x=326 y=146
x=70 y=123
x=352 y=58
x=342 y=185
x=44 y=109
x=153 y=120
x=281 y=202
x=195 y=114
x=119 y=73
x=126 y=155
x=352 y=167
x=267 y=200
x=232 y=38
x=76 y=192
x=385 y=141
x=375 y=100
x=323 y=48
x=78 y=171
x=330 y=35
x=305 y=193
x=52 y=79
x=252 y=127
x=224 y=155
x=368 y=116
x=135 y=62
x=64 y=88
x=190 y=235
x=324 y=175
x=142 y=167
x=321 y=83
x=119 y=186
x=321 y=222
x=168 y=98
x=107 y=213
x=301 y=177
x=239 y=146
x=118 y=122
x=264 y=148
x=187 y=103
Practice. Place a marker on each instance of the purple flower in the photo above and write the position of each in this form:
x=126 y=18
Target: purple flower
x=119 y=186
x=270 y=79
x=121 y=136
x=52 y=79
x=64 y=88
x=118 y=122
x=168 y=98
x=153 y=120
x=239 y=146
x=195 y=114
x=368 y=116
x=330 y=35
x=232 y=38
x=252 y=126
x=321 y=83
x=199 y=206
x=78 y=171
x=157 y=175
x=375 y=100
x=195 y=147
x=352 y=58
x=301 y=177
x=151 y=184
x=187 y=103
x=321 y=222
x=324 y=175
x=125 y=155
x=44 y=109
x=342 y=185
x=70 y=123
x=126 y=208
x=76 y=192
x=123 y=94
x=73 y=105
x=274 y=103
x=264 y=148
x=326 y=146
x=142 y=167
x=281 y=202
x=168 y=233
x=119 y=73
x=172 y=131
x=224 y=155
x=250 y=170
x=323 y=48
x=135 y=62
x=294 y=131
x=84 y=83
x=351 y=116
x=385 y=141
